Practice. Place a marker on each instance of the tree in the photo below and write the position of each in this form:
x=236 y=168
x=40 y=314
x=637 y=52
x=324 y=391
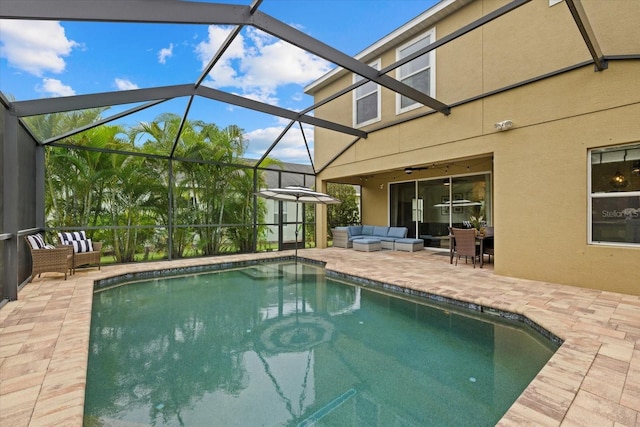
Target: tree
x=72 y=175
x=220 y=183
x=108 y=181
x=208 y=190
x=131 y=200
x=159 y=139
x=346 y=212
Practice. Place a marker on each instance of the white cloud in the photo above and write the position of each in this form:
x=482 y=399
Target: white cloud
x=290 y=148
x=54 y=87
x=258 y=64
x=35 y=46
x=124 y=84
x=223 y=73
x=165 y=53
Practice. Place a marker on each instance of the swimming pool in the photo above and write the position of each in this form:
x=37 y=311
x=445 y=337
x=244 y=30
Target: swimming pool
x=256 y=346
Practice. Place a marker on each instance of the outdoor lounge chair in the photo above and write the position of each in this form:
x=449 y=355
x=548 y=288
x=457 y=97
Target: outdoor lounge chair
x=85 y=252
x=47 y=258
x=464 y=244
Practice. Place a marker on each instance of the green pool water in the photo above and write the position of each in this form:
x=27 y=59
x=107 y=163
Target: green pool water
x=264 y=346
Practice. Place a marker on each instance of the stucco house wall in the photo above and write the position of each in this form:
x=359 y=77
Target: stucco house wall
x=540 y=167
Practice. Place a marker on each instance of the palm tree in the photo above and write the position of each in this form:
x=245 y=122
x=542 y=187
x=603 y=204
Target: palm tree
x=65 y=169
x=46 y=126
x=202 y=180
x=89 y=186
x=218 y=181
x=130 y=201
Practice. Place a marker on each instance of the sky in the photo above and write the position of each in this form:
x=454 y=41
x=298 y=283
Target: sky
x=41 y=59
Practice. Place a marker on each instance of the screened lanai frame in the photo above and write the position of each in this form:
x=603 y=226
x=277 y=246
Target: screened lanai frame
x=19 y=173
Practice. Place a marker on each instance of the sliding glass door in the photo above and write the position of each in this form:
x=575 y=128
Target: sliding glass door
x=428 y=208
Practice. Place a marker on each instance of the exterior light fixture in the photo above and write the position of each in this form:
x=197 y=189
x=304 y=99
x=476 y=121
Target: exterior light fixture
x=408 y=171
x=635 y=167
x=503 y=125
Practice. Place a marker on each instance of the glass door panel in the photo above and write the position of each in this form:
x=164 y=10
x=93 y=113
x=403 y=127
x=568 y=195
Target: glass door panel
x=469 y=198
x=403 y=207
x=434 y=223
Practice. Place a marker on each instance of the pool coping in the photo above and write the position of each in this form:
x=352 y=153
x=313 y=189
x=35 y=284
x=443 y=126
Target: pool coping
x=594 y=376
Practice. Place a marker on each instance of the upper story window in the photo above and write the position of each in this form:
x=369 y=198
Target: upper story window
x=366 y=100
x=419 y=73
x=614 y=195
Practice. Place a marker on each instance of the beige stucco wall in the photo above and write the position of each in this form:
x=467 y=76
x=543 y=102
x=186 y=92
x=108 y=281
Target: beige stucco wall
x=541 y=174
x=540 y=169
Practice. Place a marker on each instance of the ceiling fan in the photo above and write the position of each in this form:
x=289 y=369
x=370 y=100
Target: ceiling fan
x=409 y=170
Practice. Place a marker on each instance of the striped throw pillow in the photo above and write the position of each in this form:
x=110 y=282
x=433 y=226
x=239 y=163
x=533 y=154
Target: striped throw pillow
x=69 y=236
x=36 y=241
x=82 y=245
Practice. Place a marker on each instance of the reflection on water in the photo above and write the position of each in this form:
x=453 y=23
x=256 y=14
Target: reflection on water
x=257 y=347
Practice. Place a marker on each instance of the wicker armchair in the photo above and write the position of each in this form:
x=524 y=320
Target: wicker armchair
x=58 y=260
x=88 y=258
x=464 y=244
x=80 y=244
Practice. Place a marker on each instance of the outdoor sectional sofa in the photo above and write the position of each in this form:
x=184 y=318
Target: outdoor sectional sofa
x=368 y=236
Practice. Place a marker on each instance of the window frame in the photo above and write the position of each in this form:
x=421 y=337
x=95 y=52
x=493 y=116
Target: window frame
x=431 y=34
x=356 y=78
x=591 y=195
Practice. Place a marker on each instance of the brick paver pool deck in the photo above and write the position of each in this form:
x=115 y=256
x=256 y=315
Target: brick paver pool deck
x=592 y=380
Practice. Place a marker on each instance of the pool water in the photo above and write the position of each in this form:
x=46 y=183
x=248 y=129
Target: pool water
x=264 y=346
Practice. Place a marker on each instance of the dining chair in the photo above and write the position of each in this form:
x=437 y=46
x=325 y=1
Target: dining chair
x=487 y=244
x=465 y=244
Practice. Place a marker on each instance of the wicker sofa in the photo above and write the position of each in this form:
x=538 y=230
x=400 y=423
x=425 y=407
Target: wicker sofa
x=343 y=237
